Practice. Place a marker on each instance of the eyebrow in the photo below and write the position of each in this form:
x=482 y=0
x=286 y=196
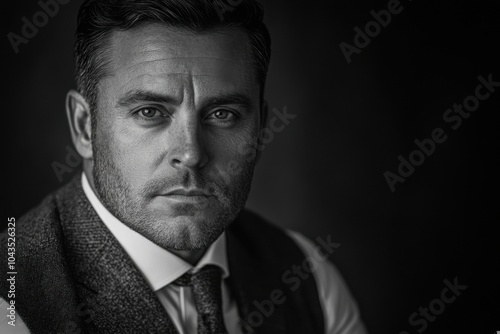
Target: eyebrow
x=239 y=99
x=137 y=96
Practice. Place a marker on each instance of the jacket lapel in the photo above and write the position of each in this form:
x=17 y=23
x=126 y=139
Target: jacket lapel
x=113 y=295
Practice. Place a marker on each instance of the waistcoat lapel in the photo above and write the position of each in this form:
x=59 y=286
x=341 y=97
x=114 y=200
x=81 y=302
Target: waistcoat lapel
x=113 y=295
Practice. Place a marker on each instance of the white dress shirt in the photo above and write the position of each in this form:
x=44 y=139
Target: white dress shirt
x=160 y=268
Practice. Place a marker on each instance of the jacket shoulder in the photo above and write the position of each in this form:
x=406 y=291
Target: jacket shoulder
x=39 y=260
x=34 y=226
x=39 y=224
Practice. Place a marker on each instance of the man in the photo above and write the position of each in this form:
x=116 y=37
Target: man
x=153 y=237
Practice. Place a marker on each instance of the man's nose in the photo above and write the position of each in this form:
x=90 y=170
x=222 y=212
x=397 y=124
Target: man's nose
x=187 y=148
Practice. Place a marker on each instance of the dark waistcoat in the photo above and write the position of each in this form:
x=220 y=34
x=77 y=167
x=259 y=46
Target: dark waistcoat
x=74 y=277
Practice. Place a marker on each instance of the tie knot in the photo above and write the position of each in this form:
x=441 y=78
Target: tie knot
x=208 y=273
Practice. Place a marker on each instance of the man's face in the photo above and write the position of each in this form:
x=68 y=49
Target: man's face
x=175 y=121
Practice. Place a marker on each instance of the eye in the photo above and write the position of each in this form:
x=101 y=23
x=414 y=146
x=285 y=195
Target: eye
x=222 y=115
x=149 y=112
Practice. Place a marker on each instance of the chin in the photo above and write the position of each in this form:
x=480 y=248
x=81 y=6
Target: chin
x=183 y=232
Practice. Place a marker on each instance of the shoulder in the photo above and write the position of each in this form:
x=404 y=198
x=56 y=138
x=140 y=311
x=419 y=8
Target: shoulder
x=37 y=241
x=36 y=237
x=296 y=258
x=34 y=223
x=40 y=223
x=49 y=207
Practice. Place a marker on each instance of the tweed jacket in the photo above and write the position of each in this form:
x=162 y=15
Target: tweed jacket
x=74 y=277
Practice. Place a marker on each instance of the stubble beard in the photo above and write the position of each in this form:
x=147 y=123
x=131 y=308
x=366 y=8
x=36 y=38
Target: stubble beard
x=117 y=196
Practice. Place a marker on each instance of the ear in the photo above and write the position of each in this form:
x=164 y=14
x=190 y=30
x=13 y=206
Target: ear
x=78 y=112
x=263 y=123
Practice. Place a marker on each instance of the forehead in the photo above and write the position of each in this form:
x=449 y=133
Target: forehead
x=160 y=55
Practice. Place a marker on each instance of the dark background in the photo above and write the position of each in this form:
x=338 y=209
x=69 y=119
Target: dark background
x=323 y=174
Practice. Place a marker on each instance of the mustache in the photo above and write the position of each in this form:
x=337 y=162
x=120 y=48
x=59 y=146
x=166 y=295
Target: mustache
x=188 y=179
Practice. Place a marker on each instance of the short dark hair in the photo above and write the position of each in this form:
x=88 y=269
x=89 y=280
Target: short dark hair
x=97 y=19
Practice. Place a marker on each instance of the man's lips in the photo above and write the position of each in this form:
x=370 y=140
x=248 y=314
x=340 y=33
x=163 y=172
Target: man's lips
x=185 y=195
x=182 y=195
x=194 y=192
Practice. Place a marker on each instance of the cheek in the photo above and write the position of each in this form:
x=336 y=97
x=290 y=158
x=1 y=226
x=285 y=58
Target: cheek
x=132 y=154
x=235 y=152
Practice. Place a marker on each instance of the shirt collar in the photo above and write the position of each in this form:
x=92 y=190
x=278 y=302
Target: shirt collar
x=159 y=266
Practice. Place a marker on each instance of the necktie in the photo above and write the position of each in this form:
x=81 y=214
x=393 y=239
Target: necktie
x=206 y=284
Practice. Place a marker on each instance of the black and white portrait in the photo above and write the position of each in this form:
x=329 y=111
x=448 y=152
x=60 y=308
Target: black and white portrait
x=244 y=166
